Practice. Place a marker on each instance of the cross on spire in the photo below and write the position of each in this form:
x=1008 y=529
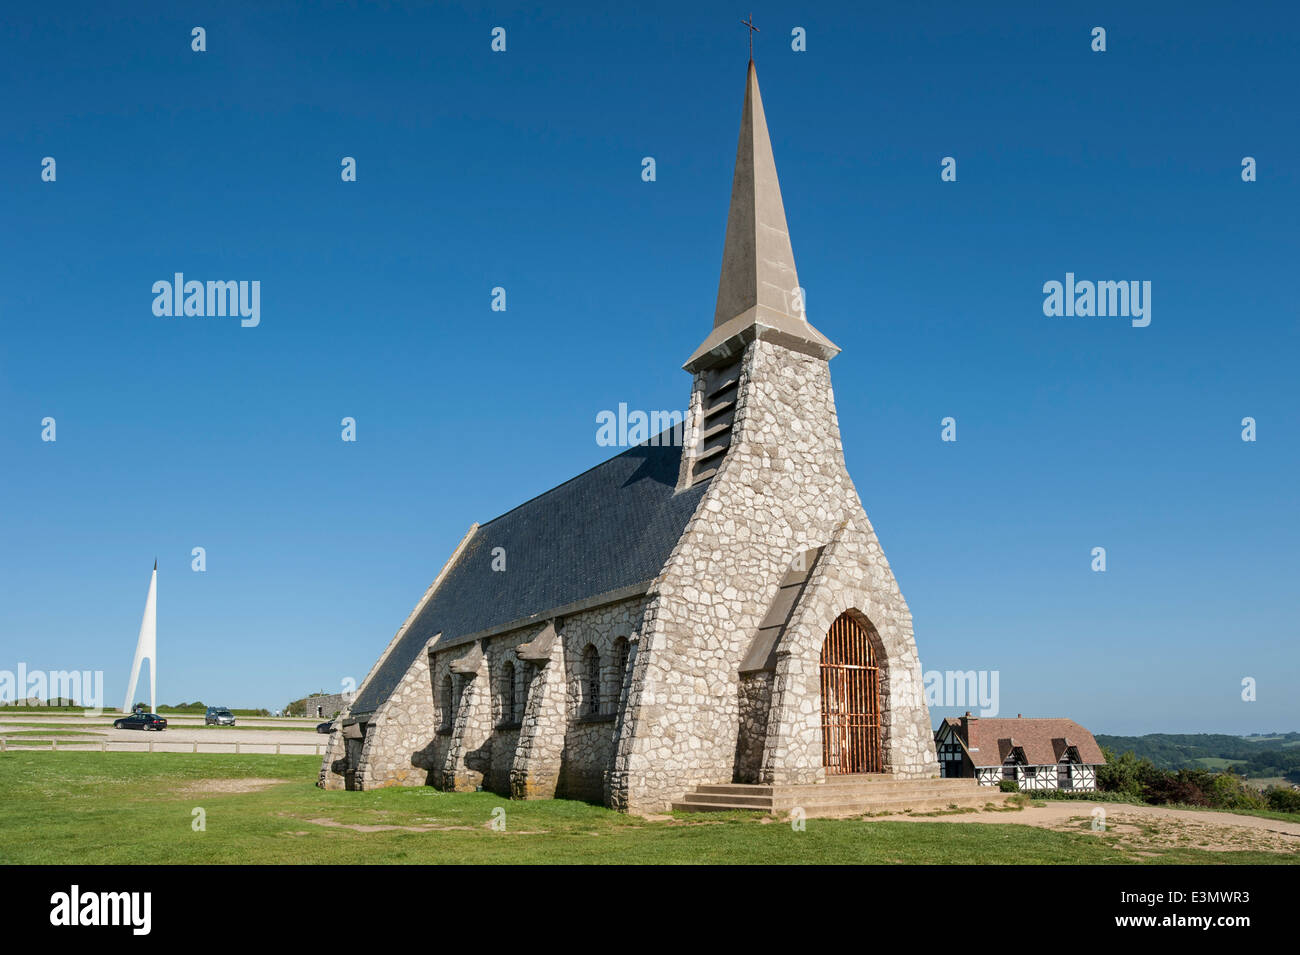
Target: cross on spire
x=752 y=30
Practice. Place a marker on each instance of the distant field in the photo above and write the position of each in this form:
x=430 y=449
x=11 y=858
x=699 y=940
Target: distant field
x=66 y=807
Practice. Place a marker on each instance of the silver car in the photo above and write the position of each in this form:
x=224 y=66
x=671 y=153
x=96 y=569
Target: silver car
x=218 y=716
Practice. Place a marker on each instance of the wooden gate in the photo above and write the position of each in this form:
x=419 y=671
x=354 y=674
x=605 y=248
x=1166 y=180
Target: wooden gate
x=850 y=700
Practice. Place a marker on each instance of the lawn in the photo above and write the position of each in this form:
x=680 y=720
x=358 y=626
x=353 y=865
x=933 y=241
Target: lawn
x=5 y=725
x=139 y=808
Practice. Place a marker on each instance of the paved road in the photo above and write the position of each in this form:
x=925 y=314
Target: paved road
x=179 y=738
x=173 y=719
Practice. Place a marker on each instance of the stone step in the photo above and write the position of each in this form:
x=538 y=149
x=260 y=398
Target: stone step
x=815 y=802
x=730 y=800
x=842 y=796
x=863 y=786
x=853 y=807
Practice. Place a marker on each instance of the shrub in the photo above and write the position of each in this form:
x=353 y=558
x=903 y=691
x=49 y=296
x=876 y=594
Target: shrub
x=1084 y=796
x=1281 y=799
x=1008 y=786
x=1183 y=787
x=1124 y=774
x=1228 y=791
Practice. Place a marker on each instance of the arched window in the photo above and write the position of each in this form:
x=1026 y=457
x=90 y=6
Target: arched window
x=447 y=702
x=590 y=681
x=508 y=693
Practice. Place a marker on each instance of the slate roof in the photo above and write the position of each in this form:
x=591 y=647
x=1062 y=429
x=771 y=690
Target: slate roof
x=608 y=528
x=990 y=740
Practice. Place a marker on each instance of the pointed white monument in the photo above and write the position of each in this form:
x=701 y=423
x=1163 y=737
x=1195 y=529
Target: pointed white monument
x=146 y=646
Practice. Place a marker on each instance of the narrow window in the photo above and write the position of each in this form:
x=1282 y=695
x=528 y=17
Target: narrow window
x=448 y=703
x=508 y=693
x=591 y=681
x=526 y=679
x=620 y=670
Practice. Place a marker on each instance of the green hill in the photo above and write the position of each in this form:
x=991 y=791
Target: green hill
x=1256 y=756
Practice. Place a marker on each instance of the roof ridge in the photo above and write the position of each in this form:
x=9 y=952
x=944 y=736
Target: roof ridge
x=601 y=464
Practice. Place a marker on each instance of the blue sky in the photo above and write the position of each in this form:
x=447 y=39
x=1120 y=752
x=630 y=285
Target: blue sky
x=523 y=170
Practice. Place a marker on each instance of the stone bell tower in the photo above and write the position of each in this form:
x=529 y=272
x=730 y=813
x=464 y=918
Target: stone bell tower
x=725 y=685
x=759 y=296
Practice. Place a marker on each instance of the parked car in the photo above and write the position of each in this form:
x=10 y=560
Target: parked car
x=218 y=716
x=141 y=721
x=326 y=727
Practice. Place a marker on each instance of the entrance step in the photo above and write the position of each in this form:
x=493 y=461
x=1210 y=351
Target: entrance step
x=843 y=796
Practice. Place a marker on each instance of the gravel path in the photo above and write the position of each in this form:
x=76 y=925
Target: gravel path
x=177 y=738
x=1142 y=827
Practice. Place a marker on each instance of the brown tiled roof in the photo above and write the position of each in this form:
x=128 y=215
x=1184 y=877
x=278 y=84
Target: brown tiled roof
x=990 y=740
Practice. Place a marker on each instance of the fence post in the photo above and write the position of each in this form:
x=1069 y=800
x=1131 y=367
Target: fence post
x=54 y=745
x=236 y=747
x=151 y=746
x=196 y=746
x=277 y=749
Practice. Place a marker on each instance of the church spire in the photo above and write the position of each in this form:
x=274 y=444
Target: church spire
x=758 y=291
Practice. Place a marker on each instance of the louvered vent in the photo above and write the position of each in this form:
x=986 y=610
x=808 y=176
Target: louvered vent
x=721 y=390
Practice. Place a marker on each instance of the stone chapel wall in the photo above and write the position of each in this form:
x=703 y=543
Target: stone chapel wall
x=782 y=488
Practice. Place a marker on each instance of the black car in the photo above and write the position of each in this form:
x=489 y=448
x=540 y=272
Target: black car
x=141 y=721
x=326 y=727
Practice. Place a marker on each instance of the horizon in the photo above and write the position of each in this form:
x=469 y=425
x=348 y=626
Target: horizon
x=523 y=171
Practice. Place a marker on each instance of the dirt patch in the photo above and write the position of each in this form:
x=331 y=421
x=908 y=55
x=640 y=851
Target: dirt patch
x=247 y=785
x=1139 y=829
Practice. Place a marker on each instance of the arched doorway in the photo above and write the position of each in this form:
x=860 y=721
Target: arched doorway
x=850 y=680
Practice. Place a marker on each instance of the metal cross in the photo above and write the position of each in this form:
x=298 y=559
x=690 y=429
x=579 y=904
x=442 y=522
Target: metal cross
x=752 y=30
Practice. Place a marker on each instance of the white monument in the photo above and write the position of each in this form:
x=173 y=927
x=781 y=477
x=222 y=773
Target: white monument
x=146 y=646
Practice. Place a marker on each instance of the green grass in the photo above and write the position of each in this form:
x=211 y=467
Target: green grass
x=42 y=709
x=47 y=734
x=130 y=808
x=4 y=726
x=1213 y=762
